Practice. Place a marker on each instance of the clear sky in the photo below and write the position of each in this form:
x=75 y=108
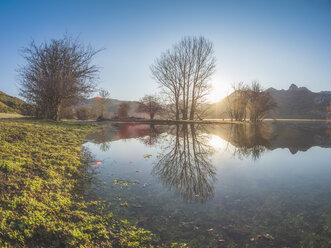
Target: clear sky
x=274 y=42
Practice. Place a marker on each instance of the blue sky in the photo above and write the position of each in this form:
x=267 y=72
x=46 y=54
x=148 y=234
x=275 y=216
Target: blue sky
x=274 y=42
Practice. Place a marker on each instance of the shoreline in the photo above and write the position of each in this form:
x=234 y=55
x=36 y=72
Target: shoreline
x=6 y=116
x=206 y=121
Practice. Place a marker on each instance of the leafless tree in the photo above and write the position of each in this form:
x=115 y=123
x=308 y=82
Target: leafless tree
x=83 y=113
x=100 y=104
x=236 y=103
x=123 y=110
x=260 y=103
x=250 y=101
x=68 y=113
x=150 y=105
x=183 y=73
x=57 y=74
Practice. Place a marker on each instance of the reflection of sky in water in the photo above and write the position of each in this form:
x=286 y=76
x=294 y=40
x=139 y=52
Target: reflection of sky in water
x=286 y=195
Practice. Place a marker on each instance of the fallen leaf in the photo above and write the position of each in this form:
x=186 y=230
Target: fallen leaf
x=148 y=155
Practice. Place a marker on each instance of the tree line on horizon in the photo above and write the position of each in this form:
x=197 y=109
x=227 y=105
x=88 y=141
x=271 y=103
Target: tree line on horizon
x=59 y=74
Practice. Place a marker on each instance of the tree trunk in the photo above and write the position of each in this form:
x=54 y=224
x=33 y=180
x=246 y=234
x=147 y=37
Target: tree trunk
x=58 y=112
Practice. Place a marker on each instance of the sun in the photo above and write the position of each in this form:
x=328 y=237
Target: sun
x=217 y=93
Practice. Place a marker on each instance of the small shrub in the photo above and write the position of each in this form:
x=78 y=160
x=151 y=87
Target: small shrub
x=83 y=113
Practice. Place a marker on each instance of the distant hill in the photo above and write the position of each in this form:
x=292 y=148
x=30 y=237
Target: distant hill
x=293 y=103
x=11 y=104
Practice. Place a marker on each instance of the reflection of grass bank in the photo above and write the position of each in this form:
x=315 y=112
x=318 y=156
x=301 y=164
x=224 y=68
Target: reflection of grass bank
x=40 y=164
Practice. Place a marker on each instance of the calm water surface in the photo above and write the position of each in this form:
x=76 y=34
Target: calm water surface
x=218 y=185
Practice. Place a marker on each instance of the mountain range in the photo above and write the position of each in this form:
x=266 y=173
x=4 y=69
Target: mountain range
x=293 y=103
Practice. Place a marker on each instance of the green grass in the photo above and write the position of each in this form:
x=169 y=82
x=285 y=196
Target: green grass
x=10 y=104
x=40 y=166
x=10 y=115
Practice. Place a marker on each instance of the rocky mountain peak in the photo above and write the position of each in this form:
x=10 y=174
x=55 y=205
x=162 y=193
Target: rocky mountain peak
x=293 y=87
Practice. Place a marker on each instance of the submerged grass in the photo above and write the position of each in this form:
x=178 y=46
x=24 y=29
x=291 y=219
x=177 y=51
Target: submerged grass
x=40 y=165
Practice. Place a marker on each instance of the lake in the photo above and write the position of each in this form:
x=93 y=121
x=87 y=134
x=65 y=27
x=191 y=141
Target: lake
x=218 y=185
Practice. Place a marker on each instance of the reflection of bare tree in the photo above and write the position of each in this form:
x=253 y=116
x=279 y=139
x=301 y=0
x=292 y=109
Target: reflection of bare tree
x=250 y=140
x=186 y=166
x=102 y=138
x=153 y=136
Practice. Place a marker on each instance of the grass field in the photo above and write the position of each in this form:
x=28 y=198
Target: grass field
x=10 y=115
x=41 y=163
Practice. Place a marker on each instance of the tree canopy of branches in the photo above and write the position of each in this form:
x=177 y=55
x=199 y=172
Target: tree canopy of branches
x=83 y=112
x=100 y=104
x=236 y=103
x=150 y=105
x=251 y=101
x=260 y=103
x=123 y=110
x=57 y=74
x=183 y=72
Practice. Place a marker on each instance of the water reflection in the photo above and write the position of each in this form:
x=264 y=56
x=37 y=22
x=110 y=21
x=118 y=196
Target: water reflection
x=253 y=140
x=283 y=195
x=103 y=137
x=154 y=135
x=186 y=167
x=247 y=140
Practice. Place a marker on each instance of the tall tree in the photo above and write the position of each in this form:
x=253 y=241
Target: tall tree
x=123 y=110
x=251 y=101
x=260 y=103
x=150 y=105
x=57 y=74
x=184 y=72
x=100 y=104
x=236 y=103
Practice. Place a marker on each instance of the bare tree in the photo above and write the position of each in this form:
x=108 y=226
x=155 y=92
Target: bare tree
x=150 y=105
x=68 y=113
x=183 y=72
x=236 y=103
x=260 y=103
x=123 y=110
x=57 y=74
x=100 y=104
x=83 y=113
x=250 y=101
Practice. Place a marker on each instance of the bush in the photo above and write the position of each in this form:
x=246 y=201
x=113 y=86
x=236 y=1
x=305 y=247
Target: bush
x=68 y=113
x=83 y=112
